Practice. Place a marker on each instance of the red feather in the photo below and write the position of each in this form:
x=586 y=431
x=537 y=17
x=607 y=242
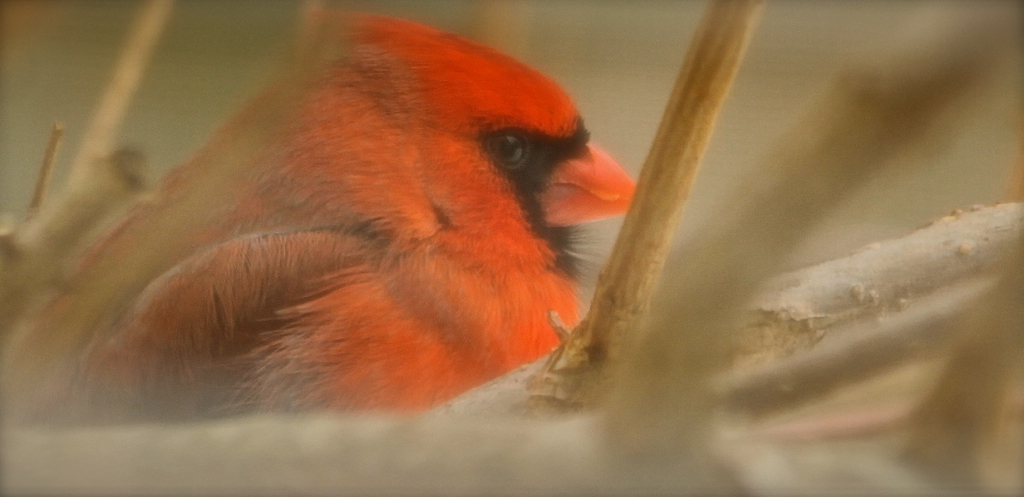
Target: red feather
x=378 y=259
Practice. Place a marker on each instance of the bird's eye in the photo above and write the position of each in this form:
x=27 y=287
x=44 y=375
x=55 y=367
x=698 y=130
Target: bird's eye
x=512 y=150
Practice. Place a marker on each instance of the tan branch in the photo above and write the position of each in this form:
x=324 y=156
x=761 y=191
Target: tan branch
x=99 y=136
x=98 y=186
x=796 y=310
x=626 y=285
x=46 y=169
x=41 y=249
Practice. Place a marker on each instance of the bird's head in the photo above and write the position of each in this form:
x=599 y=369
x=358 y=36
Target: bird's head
x=519 y=120
x=468 y=141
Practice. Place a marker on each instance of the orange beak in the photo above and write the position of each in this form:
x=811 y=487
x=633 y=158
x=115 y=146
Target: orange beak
x=586 y=189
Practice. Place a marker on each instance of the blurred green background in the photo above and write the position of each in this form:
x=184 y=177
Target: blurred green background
x=617 y=58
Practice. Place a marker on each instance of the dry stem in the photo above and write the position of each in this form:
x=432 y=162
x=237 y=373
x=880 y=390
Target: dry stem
x=626 y=285
x=40 y=250
x=102 y=130
x=46 y=169
x=97 y=187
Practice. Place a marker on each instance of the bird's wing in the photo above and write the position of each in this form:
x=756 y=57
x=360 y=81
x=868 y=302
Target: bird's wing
x=186 y=343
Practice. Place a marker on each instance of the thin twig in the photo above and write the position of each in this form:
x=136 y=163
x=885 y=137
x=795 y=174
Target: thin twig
x=40 y=250
x=46 y=169
x=99 y=136
x=626 y=285
x=97 y=184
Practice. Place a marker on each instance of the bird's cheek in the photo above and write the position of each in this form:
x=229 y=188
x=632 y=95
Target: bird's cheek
x=586 y=189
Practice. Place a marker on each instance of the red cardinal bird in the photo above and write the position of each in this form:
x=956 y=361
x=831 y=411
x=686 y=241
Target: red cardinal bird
x=402 y=245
